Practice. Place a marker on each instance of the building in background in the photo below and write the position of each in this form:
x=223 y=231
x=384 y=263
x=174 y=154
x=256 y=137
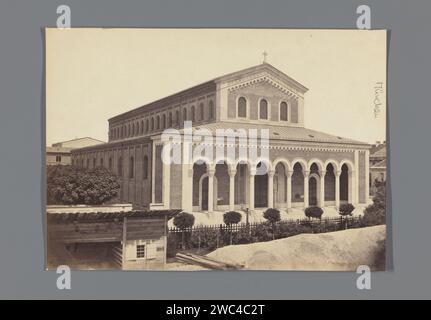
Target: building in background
x=59 y=153
x=377 y=164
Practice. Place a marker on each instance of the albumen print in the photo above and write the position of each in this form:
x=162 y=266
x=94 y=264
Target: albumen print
x=215 y=149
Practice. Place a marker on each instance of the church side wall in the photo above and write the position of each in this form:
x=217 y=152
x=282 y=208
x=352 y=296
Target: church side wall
x=136 y=188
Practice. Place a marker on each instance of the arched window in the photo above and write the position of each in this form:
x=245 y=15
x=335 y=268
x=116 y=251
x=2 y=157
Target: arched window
x=201 y=112
x=211 y=109
x=147 y=125
x=263 y=109
x=128 y=130
x=133 y=129
x=152 y=124
x=163 y=121
x=131 y=167
x=110 y=164
x=242 y=107
x=120 y=167
x=184 y=114
x=193 y=114
x=142 y=126
x=177 y=118
x=284 y=112
x=145 y=168
x=158 y=123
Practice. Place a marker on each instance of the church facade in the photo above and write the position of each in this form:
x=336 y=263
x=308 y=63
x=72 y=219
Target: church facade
x=303 y=167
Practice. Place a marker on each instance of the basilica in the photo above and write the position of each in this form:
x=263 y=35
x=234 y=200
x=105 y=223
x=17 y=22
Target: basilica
x=303 y=167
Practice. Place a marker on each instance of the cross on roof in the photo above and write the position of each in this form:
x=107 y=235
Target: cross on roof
x=265 y=54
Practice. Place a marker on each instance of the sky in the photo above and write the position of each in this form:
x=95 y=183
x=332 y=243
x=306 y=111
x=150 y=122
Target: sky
x=93 y=74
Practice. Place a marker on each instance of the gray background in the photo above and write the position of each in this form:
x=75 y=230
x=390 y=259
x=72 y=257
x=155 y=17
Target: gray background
x=22 y=135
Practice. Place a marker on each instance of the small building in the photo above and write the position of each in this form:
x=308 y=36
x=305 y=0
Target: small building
x=127 y=240
x=59 y=153
x=377 y=165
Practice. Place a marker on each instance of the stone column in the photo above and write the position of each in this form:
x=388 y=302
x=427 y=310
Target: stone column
x=271 y=189
x=355 y=180
x=232 y=190
x=211 y=190
x=252 y=173
x=322 y=174
x=337 y=188
x=367 y=176
x=289 y=190
x=353 y=190
x=306 y=197
x=187 y=187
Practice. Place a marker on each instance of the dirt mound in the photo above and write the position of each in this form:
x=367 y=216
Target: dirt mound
x=334 y=251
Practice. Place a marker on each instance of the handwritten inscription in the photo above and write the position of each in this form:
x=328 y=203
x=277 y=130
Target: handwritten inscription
x=378 y=92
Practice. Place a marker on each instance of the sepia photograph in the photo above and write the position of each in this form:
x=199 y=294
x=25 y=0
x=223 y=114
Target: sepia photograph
x=216 y=149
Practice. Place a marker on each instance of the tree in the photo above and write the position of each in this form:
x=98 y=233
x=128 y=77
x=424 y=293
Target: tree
x=72 y=185
x=345 y=209
x=272 y=215
x=375 y=213
x=230 y=218
x=313 y=212
x=184 y=221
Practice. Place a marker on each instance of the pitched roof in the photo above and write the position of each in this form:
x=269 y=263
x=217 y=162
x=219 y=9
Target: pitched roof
x=211 y=84
x=91 y=216
x=379 y=165
x=379 y=153
x=58 y=149
x=60 y=143
x=284 y=132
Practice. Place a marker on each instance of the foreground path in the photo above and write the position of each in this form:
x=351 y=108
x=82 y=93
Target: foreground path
x=332 y=251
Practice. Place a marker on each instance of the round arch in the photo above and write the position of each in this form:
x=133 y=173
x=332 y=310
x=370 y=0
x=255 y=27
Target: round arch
x=203 y=192
x=285 y=162
x=318 y=162
x=301 y=162
x=334 y=164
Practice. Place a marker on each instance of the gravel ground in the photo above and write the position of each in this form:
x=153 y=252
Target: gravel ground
x=332 y=251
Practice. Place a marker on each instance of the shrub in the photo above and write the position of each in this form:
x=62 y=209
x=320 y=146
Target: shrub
x=184 y=220
x=346 y=209
x=272 y=215
x=375 y=213
x=313 y=212
x=73 y=185
x=205 y=238
x=232 y=217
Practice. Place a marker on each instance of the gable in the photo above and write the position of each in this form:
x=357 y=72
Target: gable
x=254 y=92
x=263 y=73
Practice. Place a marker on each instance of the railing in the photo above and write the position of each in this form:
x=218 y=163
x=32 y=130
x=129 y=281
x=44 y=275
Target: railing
x=218 y=235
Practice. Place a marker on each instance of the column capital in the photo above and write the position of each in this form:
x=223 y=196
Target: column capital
x=306 y=173
x=271 y=173
x=322 y=173
x=252 y=172
x=232 y=172
x=211 y=172
x=337 y=173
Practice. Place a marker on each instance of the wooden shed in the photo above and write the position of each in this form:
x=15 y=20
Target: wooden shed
x=129 y=240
